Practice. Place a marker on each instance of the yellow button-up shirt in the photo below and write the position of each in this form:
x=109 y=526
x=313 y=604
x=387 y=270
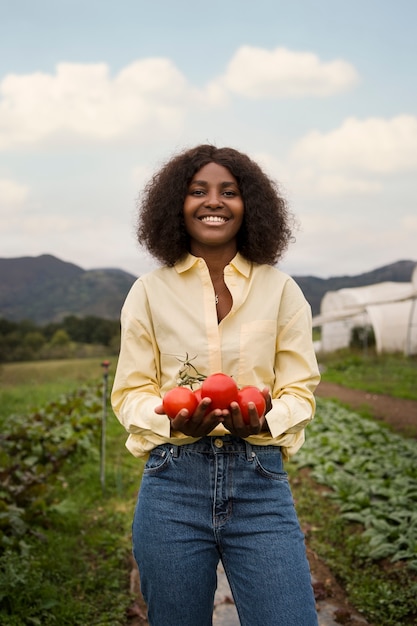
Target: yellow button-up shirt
x=265 y=340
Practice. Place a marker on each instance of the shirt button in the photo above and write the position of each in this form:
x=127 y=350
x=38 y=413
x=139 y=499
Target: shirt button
x=218 y=443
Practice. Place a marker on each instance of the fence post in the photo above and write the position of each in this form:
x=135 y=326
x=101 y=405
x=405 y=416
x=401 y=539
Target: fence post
x=105 y=365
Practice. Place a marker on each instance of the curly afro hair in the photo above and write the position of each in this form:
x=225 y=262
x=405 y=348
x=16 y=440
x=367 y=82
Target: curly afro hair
x=266 y=229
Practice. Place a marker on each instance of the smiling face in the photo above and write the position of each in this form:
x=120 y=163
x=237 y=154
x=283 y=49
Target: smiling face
x=213 y=211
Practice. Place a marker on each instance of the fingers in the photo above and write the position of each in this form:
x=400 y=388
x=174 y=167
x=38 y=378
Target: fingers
x=235 y=423
x=201 y=423
x=268 y=400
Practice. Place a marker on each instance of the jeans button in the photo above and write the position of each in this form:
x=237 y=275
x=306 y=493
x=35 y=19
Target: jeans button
x=218 y=443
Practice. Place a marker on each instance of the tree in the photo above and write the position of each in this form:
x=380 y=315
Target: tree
x=34 y=340
x=60 y=339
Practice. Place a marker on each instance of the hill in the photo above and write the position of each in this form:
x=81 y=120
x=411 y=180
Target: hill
x=45 y=289
x=315 y=288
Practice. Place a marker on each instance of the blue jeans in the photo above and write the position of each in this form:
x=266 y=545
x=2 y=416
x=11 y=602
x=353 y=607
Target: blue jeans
x=220 y=498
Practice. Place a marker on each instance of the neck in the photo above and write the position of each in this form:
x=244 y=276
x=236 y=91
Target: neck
x=215 y=258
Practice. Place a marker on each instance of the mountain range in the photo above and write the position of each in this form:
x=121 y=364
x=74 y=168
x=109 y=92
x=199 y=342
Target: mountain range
x=45 y=289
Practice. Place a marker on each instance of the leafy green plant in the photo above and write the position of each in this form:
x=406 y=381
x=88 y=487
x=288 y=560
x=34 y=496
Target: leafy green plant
x=373 y=476
x=76 y=570
x=362 y=521
x=385 y=594
x=33 y=449
x=66 y=546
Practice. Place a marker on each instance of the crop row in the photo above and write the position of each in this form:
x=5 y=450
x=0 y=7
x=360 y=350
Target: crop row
x=33 y=449
x=372 y=474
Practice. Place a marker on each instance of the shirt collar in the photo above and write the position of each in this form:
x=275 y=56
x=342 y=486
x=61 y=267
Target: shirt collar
x=242 y=265
x=186 y=263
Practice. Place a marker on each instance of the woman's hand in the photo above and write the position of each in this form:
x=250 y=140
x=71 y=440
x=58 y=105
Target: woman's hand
x=200 y=424
x=203 y=421
x=257 y=423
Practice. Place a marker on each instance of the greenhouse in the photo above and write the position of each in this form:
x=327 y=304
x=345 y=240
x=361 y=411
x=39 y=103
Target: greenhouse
x=386 y=311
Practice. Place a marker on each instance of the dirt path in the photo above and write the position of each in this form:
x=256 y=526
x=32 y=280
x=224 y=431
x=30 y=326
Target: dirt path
x=400 y=414
x=332 y=605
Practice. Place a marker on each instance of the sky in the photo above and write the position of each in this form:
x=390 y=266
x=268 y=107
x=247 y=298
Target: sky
x=95 y=95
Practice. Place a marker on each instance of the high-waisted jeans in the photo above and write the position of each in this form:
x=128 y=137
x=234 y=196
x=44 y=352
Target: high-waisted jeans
x=220 y=498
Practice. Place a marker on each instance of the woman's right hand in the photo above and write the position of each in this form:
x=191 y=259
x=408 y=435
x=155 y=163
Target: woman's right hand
x=200 y=424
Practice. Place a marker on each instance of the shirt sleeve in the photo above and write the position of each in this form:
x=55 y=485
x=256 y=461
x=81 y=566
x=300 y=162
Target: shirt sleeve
x=136 y=388
x=296 y=369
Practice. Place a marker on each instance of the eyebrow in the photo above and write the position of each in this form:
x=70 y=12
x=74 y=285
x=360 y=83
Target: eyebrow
x=204 y=183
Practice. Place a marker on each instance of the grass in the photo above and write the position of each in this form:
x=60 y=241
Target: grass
x=75 y=569
x=393 y=375
x=24 y=386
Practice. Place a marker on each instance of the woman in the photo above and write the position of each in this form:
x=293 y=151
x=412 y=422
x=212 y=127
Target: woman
x=214 y=486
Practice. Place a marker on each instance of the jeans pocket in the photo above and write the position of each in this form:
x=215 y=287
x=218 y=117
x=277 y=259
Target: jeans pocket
x=269 y=465
x=158 y=460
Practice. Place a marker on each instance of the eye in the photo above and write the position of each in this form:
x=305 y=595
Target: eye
x=197 y=192
x=229 y=193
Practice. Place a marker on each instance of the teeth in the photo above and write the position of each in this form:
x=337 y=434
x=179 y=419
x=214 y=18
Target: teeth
x=214 y=218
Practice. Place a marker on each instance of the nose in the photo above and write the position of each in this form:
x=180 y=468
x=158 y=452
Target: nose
x=213 y=199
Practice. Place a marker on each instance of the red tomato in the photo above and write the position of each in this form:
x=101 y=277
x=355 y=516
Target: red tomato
x=221 y=389
x=177 y=399
x=199 y=397
x=250 y=394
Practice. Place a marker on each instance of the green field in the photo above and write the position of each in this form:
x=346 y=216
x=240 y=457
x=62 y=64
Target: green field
x=24 y=386
x=66 y=559
x=389 y=374
x=72 y=566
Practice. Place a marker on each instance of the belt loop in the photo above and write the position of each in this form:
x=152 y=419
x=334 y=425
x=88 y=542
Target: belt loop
x=249 y=452
x=175 y=451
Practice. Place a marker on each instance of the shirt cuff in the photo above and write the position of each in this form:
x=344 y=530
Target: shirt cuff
x=288 y=415
x=135 y=423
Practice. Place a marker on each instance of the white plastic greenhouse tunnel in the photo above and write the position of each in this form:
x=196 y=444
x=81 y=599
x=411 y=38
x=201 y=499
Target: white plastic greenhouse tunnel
x=388 y=309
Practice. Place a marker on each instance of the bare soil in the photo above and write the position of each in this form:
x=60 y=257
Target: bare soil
x=333 y=606
x=399 y=414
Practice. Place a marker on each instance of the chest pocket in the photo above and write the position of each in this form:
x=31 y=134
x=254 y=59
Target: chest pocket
x=257 y=351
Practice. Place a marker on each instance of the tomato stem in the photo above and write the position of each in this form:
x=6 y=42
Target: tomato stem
x=188 y=374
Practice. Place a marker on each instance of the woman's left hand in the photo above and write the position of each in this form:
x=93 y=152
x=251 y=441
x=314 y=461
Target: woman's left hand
x=234 y=422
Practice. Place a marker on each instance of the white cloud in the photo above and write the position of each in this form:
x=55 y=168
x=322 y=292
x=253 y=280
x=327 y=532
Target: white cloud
x=370 y=146
x=276 y=168
x=281 y=73
x=12 y=194
x=337 y=184
x=335 y=244
x=49 y=226
x=149 y=95
x=140 y=175
x=309 y=179
x=409 y=223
